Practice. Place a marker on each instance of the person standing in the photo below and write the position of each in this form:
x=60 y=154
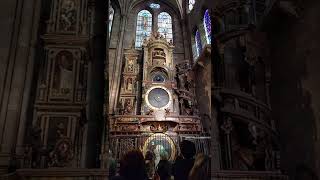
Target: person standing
x=182 y=166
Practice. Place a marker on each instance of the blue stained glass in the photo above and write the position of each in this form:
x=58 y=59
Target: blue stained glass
x=144 y=27
x=154 y=6
x=165 y=25
x=198 y=43
x=207 y=26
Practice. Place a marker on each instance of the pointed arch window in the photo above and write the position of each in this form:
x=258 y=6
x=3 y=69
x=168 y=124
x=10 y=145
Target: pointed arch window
x=197 y=39
x=165 y=25
x=207 y=26
x=191 y=4
x=111 y=14
x=144 y=27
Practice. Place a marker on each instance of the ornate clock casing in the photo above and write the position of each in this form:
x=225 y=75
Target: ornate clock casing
x=158 y=78
x=151 y=101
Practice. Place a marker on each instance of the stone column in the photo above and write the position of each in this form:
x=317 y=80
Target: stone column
x=215 y=143
x=23 y=18
x=115 y=77
x=97 y=84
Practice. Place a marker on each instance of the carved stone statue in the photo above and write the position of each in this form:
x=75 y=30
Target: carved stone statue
x=129 y=84
x=34 y=151
x=130 y=65
x=68 y=15
x=128 y=107
x=62 y=154
x=63 y=74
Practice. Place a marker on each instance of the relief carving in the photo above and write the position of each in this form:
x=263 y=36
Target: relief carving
x=130 y=67
x=126 y=106
x=68 y=15
x=62 y=154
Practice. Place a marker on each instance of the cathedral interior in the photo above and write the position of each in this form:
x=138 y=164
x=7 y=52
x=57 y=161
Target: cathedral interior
x=83 y=81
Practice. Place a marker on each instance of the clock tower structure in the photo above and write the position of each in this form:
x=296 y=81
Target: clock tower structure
x=158 y=83
x=156 y=104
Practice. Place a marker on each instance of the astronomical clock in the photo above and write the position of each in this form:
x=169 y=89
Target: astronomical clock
x=156 y=105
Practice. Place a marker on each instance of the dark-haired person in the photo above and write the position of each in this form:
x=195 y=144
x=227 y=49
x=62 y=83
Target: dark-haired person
x=200 y=169
x=132 y=166
x=150 y=164
x=164 y=167
x=182 y=167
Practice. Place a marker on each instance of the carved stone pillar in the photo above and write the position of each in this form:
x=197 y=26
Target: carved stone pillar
x=19 y=33
x=114 y=83
x=227 y=128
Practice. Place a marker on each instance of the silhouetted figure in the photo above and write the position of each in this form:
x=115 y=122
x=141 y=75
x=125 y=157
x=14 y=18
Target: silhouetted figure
x=164 y=168
x=150 y=164
x=201 y=168
x=112 y=165
x=183 y=166
x=132 y=167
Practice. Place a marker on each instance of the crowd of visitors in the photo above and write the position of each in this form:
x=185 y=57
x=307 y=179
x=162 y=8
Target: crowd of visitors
x=187 y=165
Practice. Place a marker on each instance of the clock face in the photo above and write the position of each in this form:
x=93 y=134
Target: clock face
x=158 y=78
x=158 y=97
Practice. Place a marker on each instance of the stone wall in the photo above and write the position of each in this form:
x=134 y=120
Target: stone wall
x=295 y=89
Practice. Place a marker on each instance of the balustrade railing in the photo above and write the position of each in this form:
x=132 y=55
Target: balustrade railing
x=10 y=176
x=248 y=175
x=246 y=106
x=62 y=173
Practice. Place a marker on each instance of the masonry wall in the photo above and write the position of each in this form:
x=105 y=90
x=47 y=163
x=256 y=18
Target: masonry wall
x=295 y=90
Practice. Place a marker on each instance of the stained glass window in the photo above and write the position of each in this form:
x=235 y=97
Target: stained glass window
x=165 y=25
x=154 y=6
x=207 y=26
x=198 y=42
x=191 y=4
x=194 y=51
x=111 y=14
x=144 y=27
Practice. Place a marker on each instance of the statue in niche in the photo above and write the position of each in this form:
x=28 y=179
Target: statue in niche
x=60 y=130
x=128 y=107
x=57 y=129
x=158 y=52
x=270 y=158
x=68 y=15
x=181 y=82
x=130 y=65
x=129 y=84
x=243 y=157
x=121 y=109
x=158 y=56
x=34 y=152
x=254 y=132
x=188 y=107
x=63 y=73
x=62 y=154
